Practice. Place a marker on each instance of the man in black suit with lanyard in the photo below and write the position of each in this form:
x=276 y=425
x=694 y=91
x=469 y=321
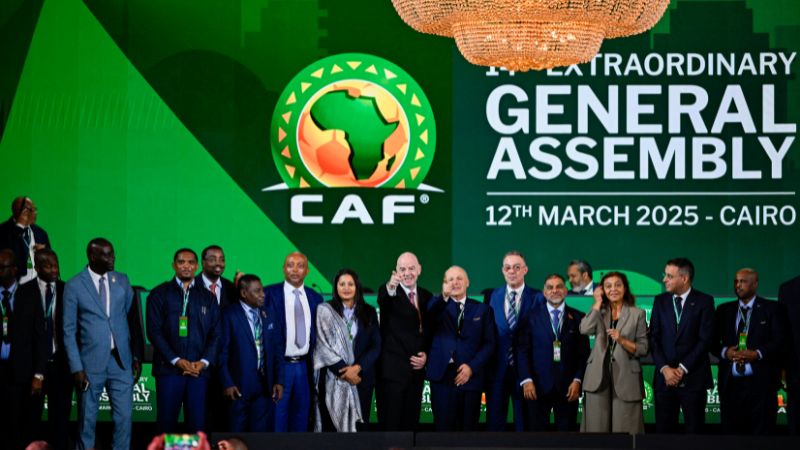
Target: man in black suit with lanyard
x=681 y=328
x=749 y=334
x=401 y=365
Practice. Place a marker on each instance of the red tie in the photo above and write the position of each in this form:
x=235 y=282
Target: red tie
x=214 y=289
x=411 y=298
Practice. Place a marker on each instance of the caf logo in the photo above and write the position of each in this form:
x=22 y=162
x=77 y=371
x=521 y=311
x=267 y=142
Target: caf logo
x=353 y=120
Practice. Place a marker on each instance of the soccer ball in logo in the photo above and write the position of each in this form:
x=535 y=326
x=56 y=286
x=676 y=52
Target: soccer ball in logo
x=353 y=120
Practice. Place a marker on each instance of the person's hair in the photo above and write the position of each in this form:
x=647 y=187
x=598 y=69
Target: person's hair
x=12 y=258
x=209 y=248
x=684 y=266
x=514 y=253
x=245 y=280
x=96 y=242
x=18 y=205
x=184 y=250
x=554 y=275
x=361 y=310
x=583 y=266
x=628 y=298
x=42 y=254
x=749 y=271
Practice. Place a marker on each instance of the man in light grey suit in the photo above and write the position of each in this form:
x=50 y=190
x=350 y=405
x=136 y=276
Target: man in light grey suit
x=96 y=305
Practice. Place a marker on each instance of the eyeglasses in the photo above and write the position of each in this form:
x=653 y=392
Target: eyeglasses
x=514 y=268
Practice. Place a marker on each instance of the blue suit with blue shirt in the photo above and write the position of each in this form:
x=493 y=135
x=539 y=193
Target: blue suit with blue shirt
x=240 y=365
x=503 y=385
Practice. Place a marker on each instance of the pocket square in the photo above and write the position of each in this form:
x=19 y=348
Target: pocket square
x=763 y=322
x=270 y=326
x=476 y=318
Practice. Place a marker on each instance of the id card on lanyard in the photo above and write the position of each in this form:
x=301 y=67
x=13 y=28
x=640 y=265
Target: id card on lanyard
x=183 y=320
x=5 y=320
x=743 y=335
x=557 y=342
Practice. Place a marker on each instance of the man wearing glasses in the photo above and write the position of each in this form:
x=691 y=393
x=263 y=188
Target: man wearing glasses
x=21 y=234
x=509 y=304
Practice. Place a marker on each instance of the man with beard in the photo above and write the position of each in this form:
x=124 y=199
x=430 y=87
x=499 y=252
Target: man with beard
x=183 y=326
x=749 y=335
x=551 y=359
x=401 y=365
x=579 y=273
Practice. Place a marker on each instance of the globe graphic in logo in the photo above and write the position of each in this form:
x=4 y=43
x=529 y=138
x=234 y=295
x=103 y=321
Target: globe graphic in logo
x=353 y=121
x=353 y=133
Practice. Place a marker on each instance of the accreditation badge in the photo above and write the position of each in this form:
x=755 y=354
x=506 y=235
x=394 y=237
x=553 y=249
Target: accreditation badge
x=742 y=341
x=556 y=351
x=5 y=326
x=183 y=326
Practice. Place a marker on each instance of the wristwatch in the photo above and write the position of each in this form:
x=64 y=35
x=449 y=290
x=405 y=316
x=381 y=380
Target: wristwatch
x=39 y=376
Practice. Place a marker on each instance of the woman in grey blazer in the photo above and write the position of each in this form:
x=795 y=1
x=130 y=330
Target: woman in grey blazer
x=613 y=380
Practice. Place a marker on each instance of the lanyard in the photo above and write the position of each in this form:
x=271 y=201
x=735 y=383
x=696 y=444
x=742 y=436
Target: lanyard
x=185 y=301
x=350 y=322
x=746 y=320
x=677 y=314
x=557 y=325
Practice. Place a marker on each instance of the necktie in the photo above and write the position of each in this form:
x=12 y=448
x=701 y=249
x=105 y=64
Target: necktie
x=412 y=297
x=556 y=316
x=460 y=320
x=740 y=328
x=48 y=317
x=511 y=317
x=299 y=321
x=101 y=289
x=257 y=331
x=214 y=290
x=6 y=311
x=679 y=305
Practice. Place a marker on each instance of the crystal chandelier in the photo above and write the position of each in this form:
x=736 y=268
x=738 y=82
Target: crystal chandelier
x=522 y=35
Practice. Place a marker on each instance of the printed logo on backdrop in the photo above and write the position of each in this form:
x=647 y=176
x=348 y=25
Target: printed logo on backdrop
x=353 y=121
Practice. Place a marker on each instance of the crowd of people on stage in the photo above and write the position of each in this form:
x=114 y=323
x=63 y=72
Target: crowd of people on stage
x=241 y=356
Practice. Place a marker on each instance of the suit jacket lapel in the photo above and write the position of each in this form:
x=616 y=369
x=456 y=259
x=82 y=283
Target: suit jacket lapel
x=498 y=304
x=245 y=323
x=623 y=316
x=88 y=284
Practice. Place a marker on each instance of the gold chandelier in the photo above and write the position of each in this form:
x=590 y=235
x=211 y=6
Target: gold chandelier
x=522 y=35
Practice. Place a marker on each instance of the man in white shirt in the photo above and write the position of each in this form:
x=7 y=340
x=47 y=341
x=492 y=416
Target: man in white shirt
x=294 y=306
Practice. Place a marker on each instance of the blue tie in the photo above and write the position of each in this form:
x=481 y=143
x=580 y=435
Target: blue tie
x=299 y=321
x=556 y=314
x=257 y=338
x=511 y=318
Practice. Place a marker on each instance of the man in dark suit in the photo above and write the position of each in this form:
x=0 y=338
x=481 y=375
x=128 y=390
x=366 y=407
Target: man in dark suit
x=97 y=338
x=295 y=307
x=48 y=291
x=748 y=339
x=681 y=330
x=212 y=260
x=250 y=359
x=579 y=273
x=22 y=236
x=551 y=359
x=404 y=348
x=213 y=266
x=509 y=304
x=463 y=342
x=22 y=363
x=183 y=326
x=789 y=297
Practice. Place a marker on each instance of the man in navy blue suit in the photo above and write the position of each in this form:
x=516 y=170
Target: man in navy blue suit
x=249 y=359
x=463 y=341
x=681 y=329
x=183 y=326
x=551 y=359
x=789 y=296
x=509 y=304
x=295 y=309
x=749 y=335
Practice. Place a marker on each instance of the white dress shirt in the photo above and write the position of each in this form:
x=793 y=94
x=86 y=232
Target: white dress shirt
x=288 y=303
